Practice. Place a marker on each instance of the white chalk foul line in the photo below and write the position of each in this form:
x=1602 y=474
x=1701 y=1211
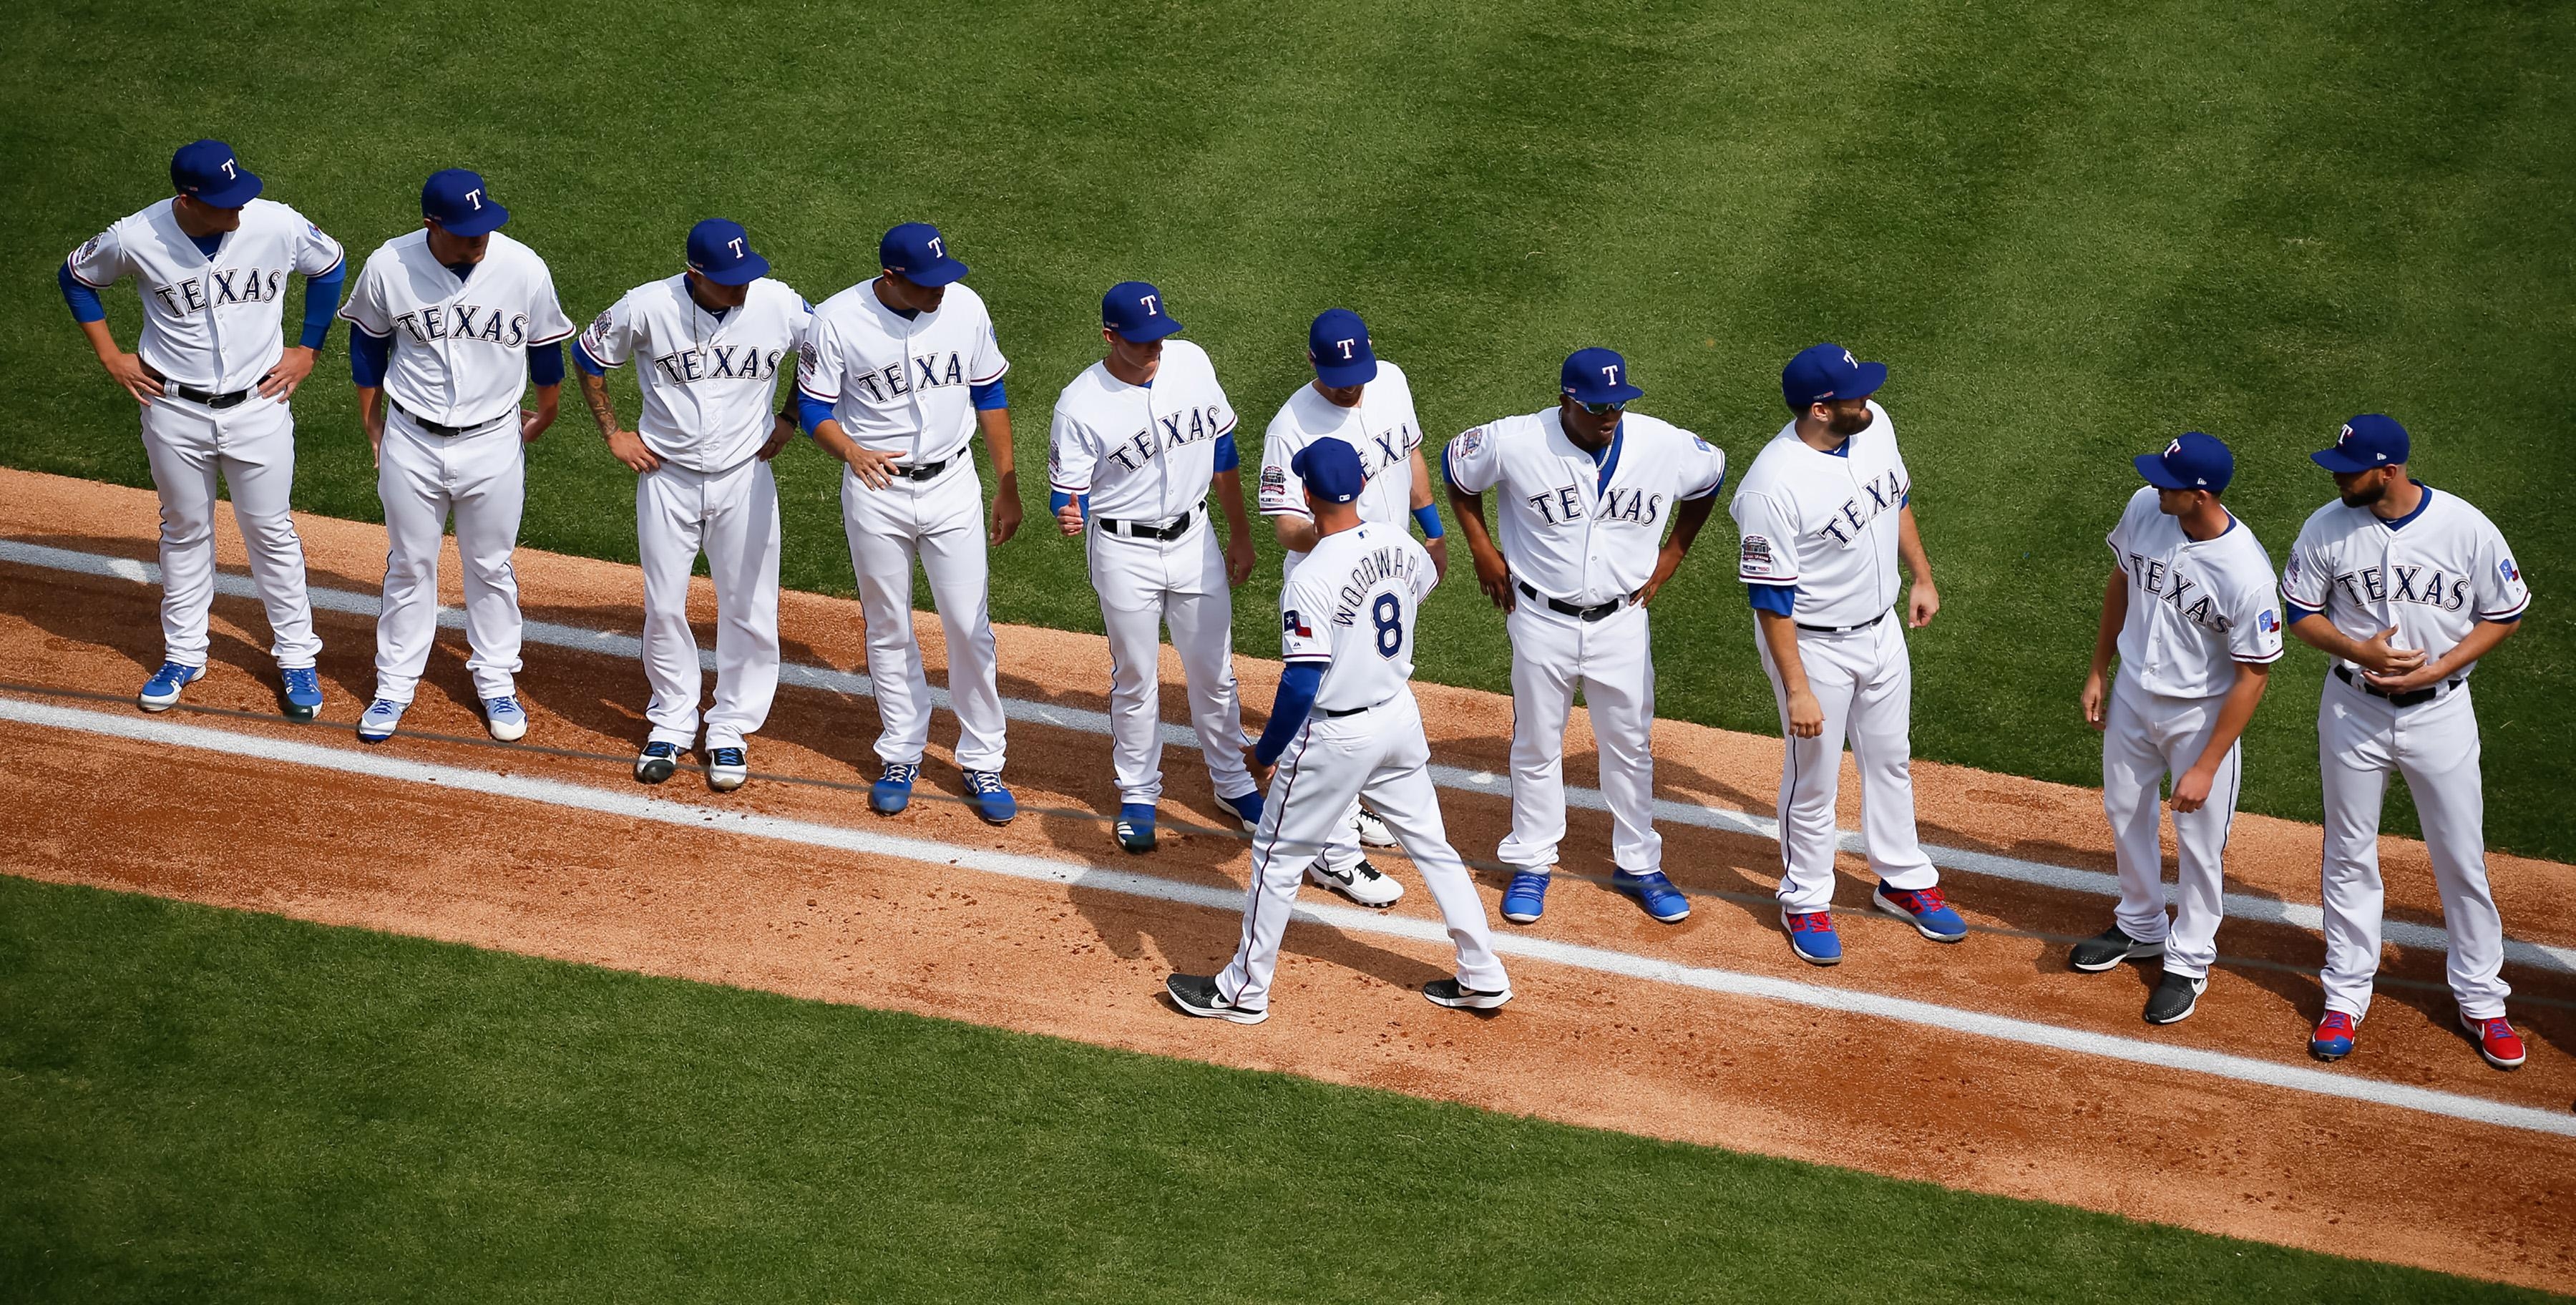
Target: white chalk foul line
x=1601 y=960
x=2241 y=906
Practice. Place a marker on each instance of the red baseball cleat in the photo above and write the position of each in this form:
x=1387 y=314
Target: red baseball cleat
x=2496 y=1041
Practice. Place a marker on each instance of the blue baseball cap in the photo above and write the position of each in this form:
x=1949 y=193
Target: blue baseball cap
x=917 y=252
x=455 y=200
x=720 y=250
x=1133 y=311
x=207 y=172
x=1596 y=376
x=2195 y=461
x=1338 y=345
x=1331 y=470
x=1828 y=371
x=2367 y=441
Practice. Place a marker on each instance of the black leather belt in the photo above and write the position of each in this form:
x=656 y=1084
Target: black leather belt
x=1563 y=608
x=219 y=402
x=1842 y=629
x=1162 y=530
x=926 y=470
x=2409 y=698
x=1353 y=711
x=442 y=429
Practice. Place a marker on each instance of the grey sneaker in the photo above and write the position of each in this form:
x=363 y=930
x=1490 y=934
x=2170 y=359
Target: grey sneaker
x=2174 y=999
x=2094 y=955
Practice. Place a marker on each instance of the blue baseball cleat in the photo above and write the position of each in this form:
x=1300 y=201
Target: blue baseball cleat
x=1246 y=808
x=507 y=720
x=1525 y=900
x=1923 y=908
x=1812 y=936
x=1136 y=827
x=303 y=692
x=161 y=692
x=985 y=793
x=383 y=716
x=2333 y=1038
x=1654 y=892
x=893 y=790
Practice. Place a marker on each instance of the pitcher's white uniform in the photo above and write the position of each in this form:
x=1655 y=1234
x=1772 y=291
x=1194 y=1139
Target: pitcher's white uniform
x=2433 y=576
x=213 y=323
x=1385 y=431
x=1827 y=523
x=1584 y=533
x=459 y=360
x=1351 y=607
x=900 y=386
x=2196 y=609
x=710 y=394
x=1146 y=455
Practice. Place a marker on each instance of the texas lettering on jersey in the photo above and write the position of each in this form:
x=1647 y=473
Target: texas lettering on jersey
x=1170 y=431
x=1563 y=505
x=2414 y=584
x=232 y=285
x=926 y=371
x=1881 y=494
x=719 y=362
x=2175 y=590
x=454 y=321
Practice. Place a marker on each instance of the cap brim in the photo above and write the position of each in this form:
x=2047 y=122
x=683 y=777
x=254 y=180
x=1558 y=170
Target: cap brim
x=481 y=222
x=750 y=269
x=2336 y=460
x=1621 y=393
x=1872 y=376
x=2152 y=466
x=1343 y=375
x=940 y=273
x=244 y=189
x=1149 y=332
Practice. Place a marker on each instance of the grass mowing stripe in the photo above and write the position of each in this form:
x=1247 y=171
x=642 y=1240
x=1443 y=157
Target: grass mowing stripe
x=628 y=803
x=215 y=1105
x=2242 y=906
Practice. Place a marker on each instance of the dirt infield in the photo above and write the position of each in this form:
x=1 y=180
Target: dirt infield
x=2155 y=1141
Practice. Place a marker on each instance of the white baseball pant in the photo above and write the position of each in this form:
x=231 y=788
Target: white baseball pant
x=941 y=522
x=1142 y=583
x=1378 y=754
x=2146 y=736
x=733 y=515
x=2435 y=745
x=252 y=445
x=1865 y=684
x=481 y=477
x=1612 y=661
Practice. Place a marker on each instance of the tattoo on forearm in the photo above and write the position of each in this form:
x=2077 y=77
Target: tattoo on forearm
x=594 y=391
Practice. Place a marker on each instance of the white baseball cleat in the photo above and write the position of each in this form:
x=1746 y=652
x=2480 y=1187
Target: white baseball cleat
x=1373 y=831
x=1361 y=883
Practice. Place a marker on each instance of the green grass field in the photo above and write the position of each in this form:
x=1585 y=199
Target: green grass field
x=2072 y=232
x=208 y=1105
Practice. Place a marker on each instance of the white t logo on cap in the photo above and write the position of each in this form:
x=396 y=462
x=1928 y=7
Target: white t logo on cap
x=2173 y=448
x=1150 y=309
x=228 y=169
x=2344 y=434
x=1848 y=360
x=475 y=198
x=735 y=245
x=935 y=250
x=1346 y=348
x=1610 y=373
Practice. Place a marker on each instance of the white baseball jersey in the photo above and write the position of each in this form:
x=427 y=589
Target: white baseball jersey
x=709 y=382
x=2432 y=576
x=2196 y=607
x=1825 y=522
x=210 y=322
x=1351 y=608
x=1383 y=429
x=1142 y=452
x=460 y=352
x=901 y=385
x=1574 y=528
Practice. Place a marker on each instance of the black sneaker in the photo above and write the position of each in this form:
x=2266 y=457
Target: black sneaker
x=1196 y=994
x=656 y=763
x=1458 y=996
x=2094 y=955
x=2174 y=999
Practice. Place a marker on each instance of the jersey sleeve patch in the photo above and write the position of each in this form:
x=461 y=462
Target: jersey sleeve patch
x=1755 y=561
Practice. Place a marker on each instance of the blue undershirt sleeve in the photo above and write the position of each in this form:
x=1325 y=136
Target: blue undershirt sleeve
x=1228 y=458
x=1297 y=686
x=545 y=364
x=1779 y=600
x=83 y=299
x=369 y=356
x=1427 y=516
x=989 y=395
x=2295 y=613
x=321 y=300
x=1056 y=499
x=590 y=366
x=811 y=412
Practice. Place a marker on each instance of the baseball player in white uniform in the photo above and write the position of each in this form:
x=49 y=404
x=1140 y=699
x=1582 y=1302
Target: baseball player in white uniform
x=1346 y=724
x=213 y=373
x=1365 y=402
x=1824 y=515
x=1586 y=488
x=1139 y=439
x=2406 y=587
x=453 y=323
x=2191 y=611
x=709 y=344
x=896 y=378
